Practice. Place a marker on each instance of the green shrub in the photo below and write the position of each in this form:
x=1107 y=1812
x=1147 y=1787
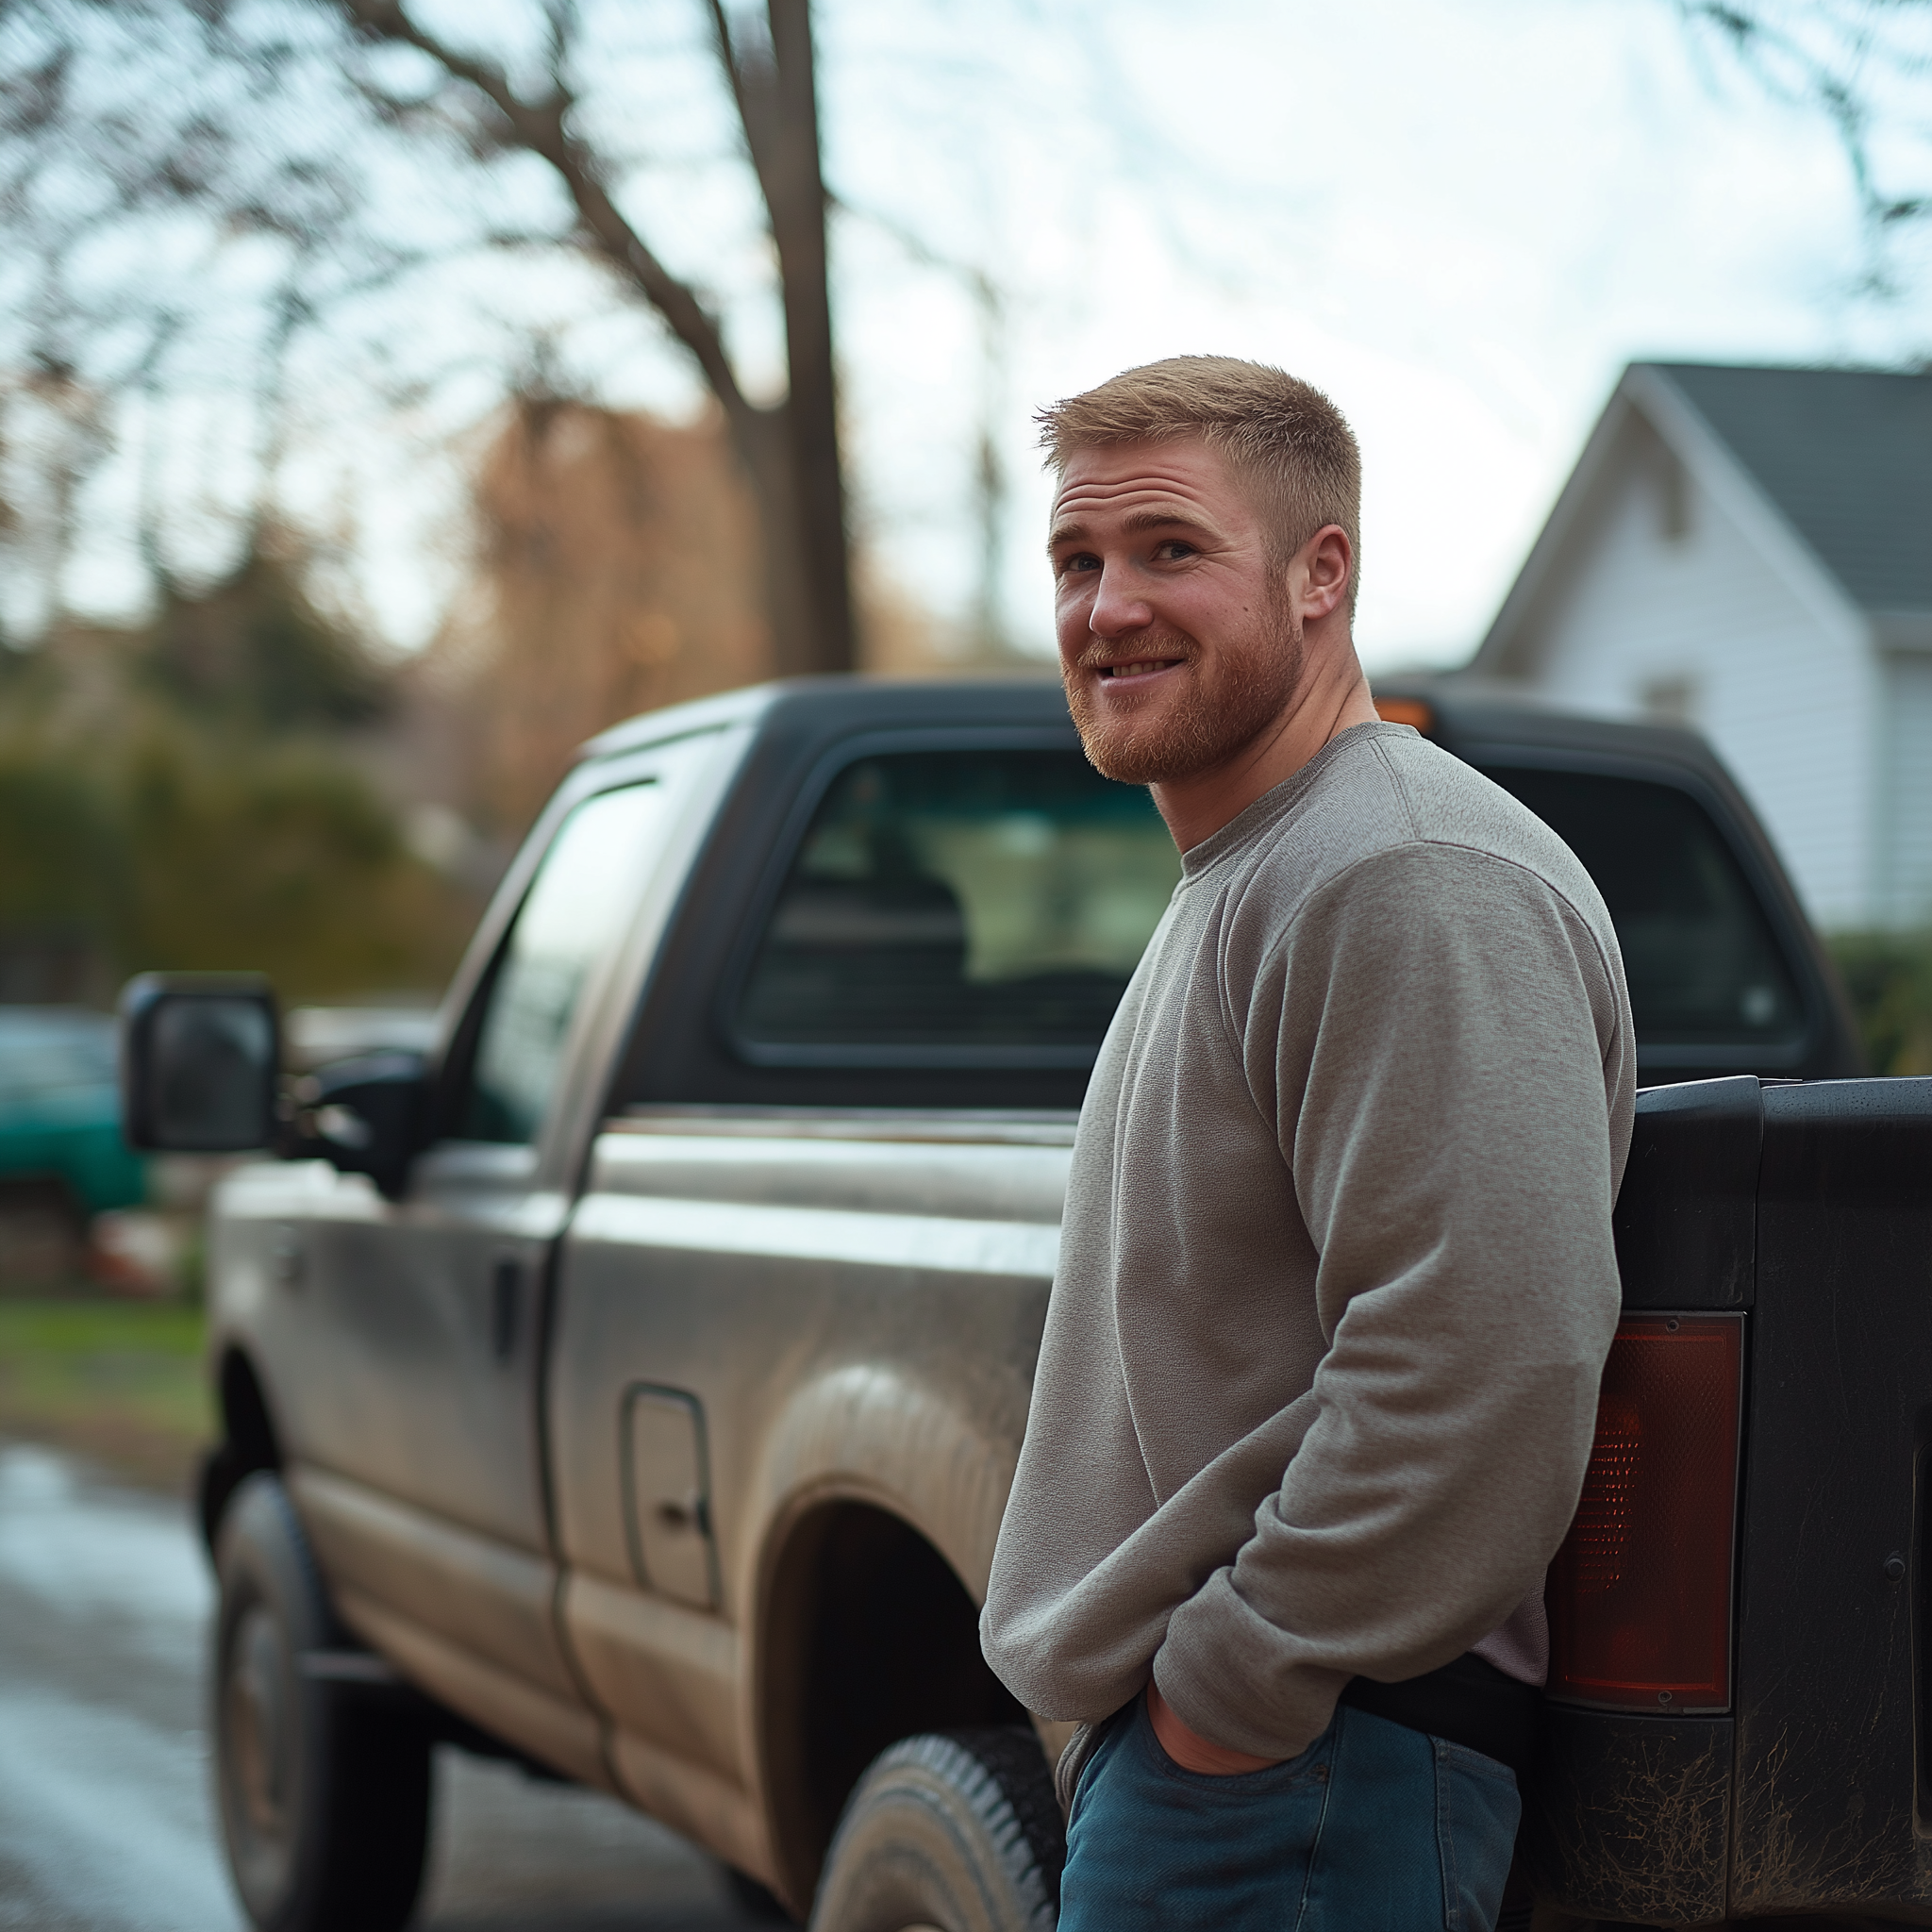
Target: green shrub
x=1888 y=976
x=64 y=861
x=185 y=798
x=275 y=856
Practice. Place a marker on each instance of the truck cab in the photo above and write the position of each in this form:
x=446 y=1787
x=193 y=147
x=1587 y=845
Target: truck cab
x=640 y=1372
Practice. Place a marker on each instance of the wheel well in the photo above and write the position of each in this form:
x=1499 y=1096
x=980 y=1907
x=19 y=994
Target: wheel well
x=869 y=1637
x=247 y=1441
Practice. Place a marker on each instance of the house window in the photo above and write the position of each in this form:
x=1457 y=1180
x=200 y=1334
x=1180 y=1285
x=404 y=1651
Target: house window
x=1670 y=701
x=1673 y=499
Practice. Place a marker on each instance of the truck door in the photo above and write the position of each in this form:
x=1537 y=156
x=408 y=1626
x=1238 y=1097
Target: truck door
x=423 y=1477
x=755 y=1297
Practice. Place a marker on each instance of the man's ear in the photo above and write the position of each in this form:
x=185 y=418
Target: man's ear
x=1324 y=565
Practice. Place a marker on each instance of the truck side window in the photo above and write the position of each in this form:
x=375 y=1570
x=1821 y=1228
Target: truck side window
x=1702 y=966
x=570 y=918
x=961 y=898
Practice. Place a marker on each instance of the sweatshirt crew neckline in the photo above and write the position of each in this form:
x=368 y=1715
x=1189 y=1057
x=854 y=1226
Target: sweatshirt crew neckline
x=1255 y=817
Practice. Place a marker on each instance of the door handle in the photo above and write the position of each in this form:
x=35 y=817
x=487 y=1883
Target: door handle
x=285 y=1258
x=685 y=1512
x=505 y=1307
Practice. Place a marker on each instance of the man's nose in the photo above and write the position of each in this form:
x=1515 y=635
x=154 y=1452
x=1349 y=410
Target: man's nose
x=1119 y=606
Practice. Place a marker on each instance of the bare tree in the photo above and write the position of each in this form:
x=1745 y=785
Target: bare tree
x=129 y=175
x=268 y=134
x=791 y=448
x=1864 y=65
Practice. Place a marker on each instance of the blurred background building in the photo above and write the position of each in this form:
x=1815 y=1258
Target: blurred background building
x=1749 y=550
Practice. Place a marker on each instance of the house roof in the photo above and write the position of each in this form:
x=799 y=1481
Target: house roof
x=1845 y=454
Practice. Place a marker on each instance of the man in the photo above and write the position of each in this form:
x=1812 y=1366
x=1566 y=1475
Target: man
x=1319 y=1378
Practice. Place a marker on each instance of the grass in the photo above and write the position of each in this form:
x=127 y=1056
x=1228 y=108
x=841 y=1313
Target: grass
x=121 y=1381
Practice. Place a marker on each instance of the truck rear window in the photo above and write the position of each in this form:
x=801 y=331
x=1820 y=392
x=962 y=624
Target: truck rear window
x=956 y=899
x=1702 y=966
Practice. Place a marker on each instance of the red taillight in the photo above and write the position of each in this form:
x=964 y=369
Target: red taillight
x=1640 y=1594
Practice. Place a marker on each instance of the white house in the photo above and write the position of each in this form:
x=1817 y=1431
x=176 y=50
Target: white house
x=1750 y=551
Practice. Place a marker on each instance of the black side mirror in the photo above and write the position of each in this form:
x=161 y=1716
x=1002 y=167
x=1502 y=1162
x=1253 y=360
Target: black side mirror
x=199 y=1056
x=366 y=1115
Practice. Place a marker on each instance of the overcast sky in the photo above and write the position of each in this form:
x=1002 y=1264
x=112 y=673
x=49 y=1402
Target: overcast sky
x=1458 y=217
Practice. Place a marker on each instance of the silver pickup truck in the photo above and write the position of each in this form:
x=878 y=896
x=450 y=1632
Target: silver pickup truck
x=632 y=1385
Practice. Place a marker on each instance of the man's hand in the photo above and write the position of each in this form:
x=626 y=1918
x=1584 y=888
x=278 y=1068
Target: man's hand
x=1189 y=1749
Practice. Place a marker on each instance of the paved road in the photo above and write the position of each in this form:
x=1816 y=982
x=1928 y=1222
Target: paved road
x=104 y=1817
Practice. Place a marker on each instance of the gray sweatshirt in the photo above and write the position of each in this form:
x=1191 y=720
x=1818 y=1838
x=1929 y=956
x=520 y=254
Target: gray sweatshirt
x=1318 y=1384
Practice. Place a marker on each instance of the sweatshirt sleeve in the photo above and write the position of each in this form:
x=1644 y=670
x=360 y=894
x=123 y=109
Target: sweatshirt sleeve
x=1433 y=1037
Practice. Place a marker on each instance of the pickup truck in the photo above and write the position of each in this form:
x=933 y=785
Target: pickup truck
x=630 y=1386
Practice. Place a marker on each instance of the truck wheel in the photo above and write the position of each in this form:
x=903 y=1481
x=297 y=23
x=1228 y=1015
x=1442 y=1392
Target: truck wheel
x=755 y=1902
x=957 y=1831
x=323 y=1791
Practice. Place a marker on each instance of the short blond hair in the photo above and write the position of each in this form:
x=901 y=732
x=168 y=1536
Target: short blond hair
x=1282 y=435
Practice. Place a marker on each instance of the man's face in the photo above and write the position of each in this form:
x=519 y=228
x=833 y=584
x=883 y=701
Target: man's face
x=1178 y=642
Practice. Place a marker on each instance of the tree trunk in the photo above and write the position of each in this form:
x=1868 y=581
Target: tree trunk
x=802 y=640
x=811 y=592
x=790 y=452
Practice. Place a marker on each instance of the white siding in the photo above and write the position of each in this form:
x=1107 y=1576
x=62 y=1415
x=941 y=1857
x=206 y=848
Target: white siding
x=1906 y=829
x=1698 y=625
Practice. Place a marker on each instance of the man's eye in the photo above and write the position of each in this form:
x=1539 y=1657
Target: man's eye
x=1175 y=550
x=1077 y=561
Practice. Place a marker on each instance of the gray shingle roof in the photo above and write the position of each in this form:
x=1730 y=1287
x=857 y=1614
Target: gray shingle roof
x=1845 y=454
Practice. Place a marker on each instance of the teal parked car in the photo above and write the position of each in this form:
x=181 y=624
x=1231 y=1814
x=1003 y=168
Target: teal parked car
x=61 y=1110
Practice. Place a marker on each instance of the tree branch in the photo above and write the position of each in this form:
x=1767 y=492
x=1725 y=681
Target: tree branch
x=1786 y=65
x=539 y=127
x=753 y=95
x=727 y=59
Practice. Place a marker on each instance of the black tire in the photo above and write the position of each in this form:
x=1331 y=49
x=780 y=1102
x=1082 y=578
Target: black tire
x=322 y=1787
x=957 y=1831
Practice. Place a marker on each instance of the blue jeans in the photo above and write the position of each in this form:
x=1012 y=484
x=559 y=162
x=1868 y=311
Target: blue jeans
x=1374 y=1828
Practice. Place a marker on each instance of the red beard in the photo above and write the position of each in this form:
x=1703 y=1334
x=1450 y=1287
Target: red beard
x=1225 y=704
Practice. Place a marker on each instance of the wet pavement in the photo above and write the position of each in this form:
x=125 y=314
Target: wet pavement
x=106 y=1820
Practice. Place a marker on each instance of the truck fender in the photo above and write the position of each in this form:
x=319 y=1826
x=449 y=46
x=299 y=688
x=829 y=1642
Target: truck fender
x=867 y=1433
